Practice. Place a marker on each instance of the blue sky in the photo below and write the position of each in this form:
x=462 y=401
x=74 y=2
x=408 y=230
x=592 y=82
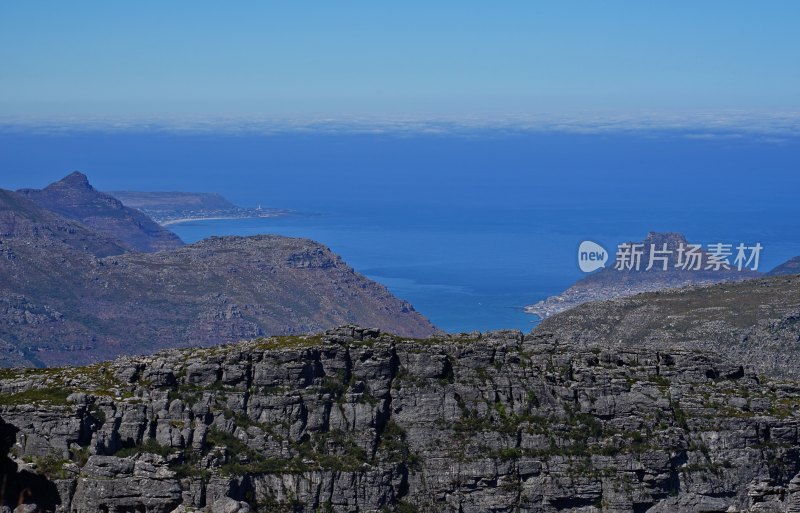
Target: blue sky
x=367 y=58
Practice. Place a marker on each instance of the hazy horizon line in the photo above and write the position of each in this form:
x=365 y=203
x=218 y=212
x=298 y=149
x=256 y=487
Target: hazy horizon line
x=729 y=124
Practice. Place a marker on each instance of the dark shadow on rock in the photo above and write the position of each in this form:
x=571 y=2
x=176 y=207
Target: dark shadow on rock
x=22 y=487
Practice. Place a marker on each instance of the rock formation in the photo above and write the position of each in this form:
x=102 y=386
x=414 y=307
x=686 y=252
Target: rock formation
x=358 y=421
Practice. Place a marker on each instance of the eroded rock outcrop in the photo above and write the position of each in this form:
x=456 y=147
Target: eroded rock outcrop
x=358 y=421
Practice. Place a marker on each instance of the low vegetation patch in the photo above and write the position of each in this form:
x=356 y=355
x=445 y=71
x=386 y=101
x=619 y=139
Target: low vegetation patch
x=50 y=395
x=148 y=446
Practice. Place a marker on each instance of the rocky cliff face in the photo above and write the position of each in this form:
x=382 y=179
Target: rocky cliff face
x=74 y=198
x=357 y=421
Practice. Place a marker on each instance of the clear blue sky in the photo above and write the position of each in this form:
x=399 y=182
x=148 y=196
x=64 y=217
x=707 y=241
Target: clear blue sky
x=293 y=58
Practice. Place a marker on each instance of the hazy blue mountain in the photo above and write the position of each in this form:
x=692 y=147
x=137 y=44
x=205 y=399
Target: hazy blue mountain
x=791 y=266
x=70 y=294
x=73 y=197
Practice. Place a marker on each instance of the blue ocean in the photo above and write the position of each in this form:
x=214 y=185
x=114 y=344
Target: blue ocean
x=469 y=226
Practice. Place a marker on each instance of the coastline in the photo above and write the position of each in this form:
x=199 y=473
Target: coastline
x=216 y=218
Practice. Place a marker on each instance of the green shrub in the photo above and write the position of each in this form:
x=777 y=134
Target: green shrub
x=149 y=446
x=52 y=395
x=51 y=466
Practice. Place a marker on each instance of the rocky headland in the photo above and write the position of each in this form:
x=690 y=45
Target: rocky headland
x=753 y=321
x=168 y=208
x=611 y=283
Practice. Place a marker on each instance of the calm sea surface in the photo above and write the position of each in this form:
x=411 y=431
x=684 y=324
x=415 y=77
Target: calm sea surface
x=467 y=227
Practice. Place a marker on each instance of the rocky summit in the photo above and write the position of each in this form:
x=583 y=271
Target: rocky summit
x=359 y=421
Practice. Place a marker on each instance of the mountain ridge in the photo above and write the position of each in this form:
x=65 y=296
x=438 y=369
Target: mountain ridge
x=73 y=197
x=611 y=283
x=791 y=266
x=752 y=320
x=22 y=218
x=173 y=200
x=72 y=294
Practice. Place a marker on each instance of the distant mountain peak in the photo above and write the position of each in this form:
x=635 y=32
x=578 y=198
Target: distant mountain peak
x=74 y=197
x=75 y=179
x=791 y=266
x=611 y=282
x=671 y=239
